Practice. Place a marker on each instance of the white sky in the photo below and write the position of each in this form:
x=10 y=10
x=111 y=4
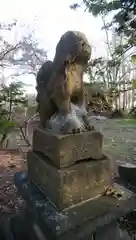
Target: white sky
x=51 y=19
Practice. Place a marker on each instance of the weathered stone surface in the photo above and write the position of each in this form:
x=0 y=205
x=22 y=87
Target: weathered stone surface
x=64 y=150
x=60 y=83
x=72 y=185
x=38 y=233
x=112 y=232
x=79 y=222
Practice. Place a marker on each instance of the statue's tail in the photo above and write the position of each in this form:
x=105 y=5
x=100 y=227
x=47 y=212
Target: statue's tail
x=42 y=79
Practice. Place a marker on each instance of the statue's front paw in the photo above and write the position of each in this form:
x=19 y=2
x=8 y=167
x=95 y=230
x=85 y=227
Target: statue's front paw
x=86 y=129
x=90 y=127
x=87 y=123
x=76 y=130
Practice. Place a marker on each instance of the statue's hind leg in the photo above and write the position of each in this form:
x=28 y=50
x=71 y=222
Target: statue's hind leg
x=46 y=111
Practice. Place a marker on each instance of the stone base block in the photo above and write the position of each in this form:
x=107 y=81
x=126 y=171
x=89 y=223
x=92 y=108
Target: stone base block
x=68 y=186
x=64 y=150
x=110 y=231
x=95 y=218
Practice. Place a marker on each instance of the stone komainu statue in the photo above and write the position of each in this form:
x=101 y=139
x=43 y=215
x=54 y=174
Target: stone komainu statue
x=60 y=93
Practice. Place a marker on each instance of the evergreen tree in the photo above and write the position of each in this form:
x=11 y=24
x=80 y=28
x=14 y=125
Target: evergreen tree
x=10 y=97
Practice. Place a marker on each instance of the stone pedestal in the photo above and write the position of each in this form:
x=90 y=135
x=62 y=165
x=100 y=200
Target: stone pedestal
x=68 y=186
x=96 y=218
x=65 y=189
x=68 y=169
x=65 y=150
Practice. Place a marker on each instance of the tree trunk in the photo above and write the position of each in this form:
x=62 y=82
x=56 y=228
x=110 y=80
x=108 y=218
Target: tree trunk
x=3 y=138
x=133 y=98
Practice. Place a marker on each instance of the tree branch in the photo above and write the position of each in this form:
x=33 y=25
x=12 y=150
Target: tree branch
x=107 y=37
x=38 y=58
x=8 y=51
x=24 y=137
x=22 y=131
